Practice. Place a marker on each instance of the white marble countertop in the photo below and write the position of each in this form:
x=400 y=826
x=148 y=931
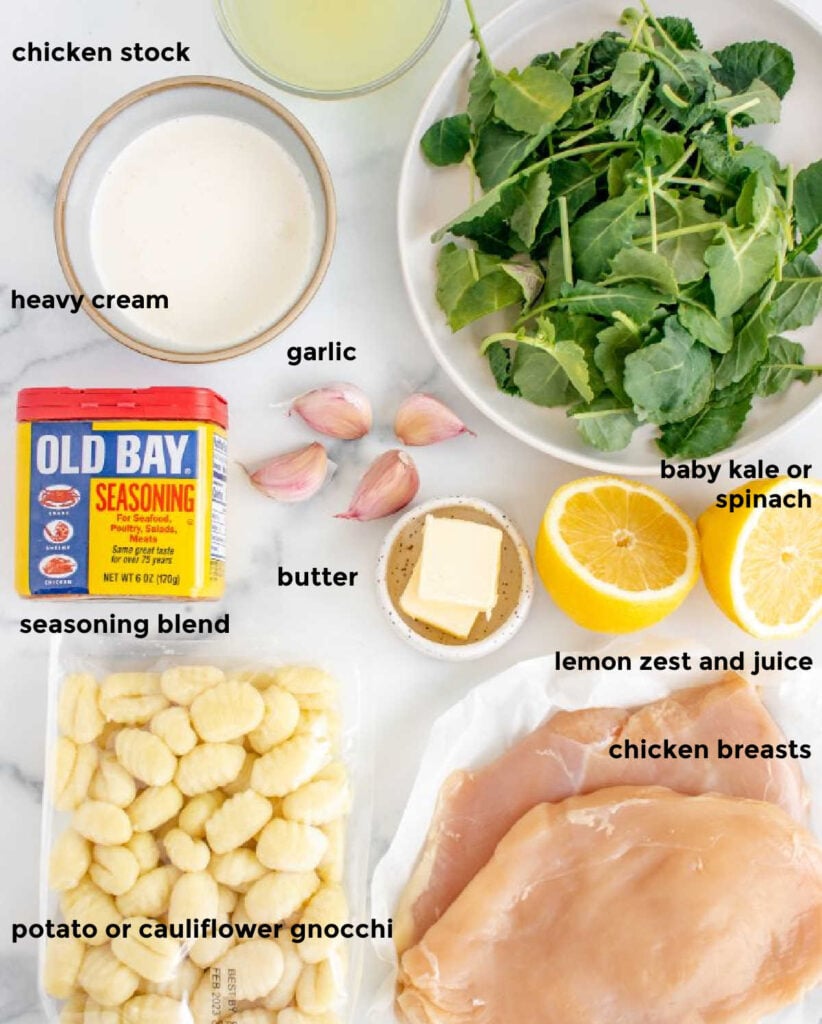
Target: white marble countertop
x=362 y=302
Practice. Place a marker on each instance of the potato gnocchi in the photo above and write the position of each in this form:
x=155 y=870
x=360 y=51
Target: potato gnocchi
x=194 y=794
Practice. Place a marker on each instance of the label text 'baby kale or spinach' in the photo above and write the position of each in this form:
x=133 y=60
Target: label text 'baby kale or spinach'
x=737 y=472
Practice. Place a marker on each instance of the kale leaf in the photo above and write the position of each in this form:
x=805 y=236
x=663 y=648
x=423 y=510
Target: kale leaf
x=742 y=63
x=447 y=141
x=671 y=380
x=472 y=285
x=502 y=367
x=606 y=423
x=714 y=428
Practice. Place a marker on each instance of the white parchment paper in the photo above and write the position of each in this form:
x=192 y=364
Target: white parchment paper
x=503 y=709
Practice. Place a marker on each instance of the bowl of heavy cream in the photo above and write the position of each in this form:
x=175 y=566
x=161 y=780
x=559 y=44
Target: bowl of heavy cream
x=196 y=217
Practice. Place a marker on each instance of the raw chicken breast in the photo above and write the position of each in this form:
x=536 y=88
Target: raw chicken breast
x=628 y=906
x=568 y=754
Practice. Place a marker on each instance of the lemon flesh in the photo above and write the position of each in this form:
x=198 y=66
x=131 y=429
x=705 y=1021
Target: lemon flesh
x=615 y=555
x=763 y=566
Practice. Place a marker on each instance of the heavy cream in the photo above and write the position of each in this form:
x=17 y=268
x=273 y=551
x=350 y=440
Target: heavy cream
x=216 y=215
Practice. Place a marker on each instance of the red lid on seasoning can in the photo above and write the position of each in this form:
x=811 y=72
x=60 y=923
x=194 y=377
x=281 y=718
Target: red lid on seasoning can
x=187 y=403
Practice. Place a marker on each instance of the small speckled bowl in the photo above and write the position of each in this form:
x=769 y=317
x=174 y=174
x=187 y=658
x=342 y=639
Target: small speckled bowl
x=398 y=555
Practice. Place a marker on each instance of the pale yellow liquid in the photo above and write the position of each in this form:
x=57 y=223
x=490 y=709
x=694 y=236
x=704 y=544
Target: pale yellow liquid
x=330 y=45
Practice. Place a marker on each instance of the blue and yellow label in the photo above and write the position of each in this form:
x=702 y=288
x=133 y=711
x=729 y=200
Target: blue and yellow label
x=119 y=508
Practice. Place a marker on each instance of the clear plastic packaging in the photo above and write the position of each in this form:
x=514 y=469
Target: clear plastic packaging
x=500 y=711
x=231 y=799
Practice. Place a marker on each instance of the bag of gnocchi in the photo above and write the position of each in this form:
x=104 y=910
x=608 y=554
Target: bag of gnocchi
x=199 y=800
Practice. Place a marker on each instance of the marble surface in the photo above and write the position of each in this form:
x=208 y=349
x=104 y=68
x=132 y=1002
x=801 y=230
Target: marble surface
x=362 y=302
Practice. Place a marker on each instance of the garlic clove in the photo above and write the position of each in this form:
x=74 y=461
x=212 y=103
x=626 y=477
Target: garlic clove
x=293 y=476
x=423 y=419
x=337 y=410
x=390 y=483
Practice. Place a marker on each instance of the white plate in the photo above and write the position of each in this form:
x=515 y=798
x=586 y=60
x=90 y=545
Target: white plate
x=430 y=196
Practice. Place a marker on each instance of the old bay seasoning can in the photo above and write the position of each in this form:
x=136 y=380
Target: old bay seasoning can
x=121 y=492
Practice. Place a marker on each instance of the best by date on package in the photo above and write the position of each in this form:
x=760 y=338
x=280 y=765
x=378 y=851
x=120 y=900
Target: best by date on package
x=121 y=492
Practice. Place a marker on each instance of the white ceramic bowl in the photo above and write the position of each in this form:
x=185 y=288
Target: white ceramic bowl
x=508 y=629
x=430 y=196
x=123 y=122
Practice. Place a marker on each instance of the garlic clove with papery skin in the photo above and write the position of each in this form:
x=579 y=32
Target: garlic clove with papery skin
x=293 y=476
x=423 y=419
x=338 y=410
x=388 y=485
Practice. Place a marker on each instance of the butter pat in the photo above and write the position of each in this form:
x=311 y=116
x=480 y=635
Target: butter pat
x=455 y=619
x=460 y=563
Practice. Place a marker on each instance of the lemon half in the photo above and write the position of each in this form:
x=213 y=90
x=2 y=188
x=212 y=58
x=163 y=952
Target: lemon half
x=615 y=555
x=763 y=566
